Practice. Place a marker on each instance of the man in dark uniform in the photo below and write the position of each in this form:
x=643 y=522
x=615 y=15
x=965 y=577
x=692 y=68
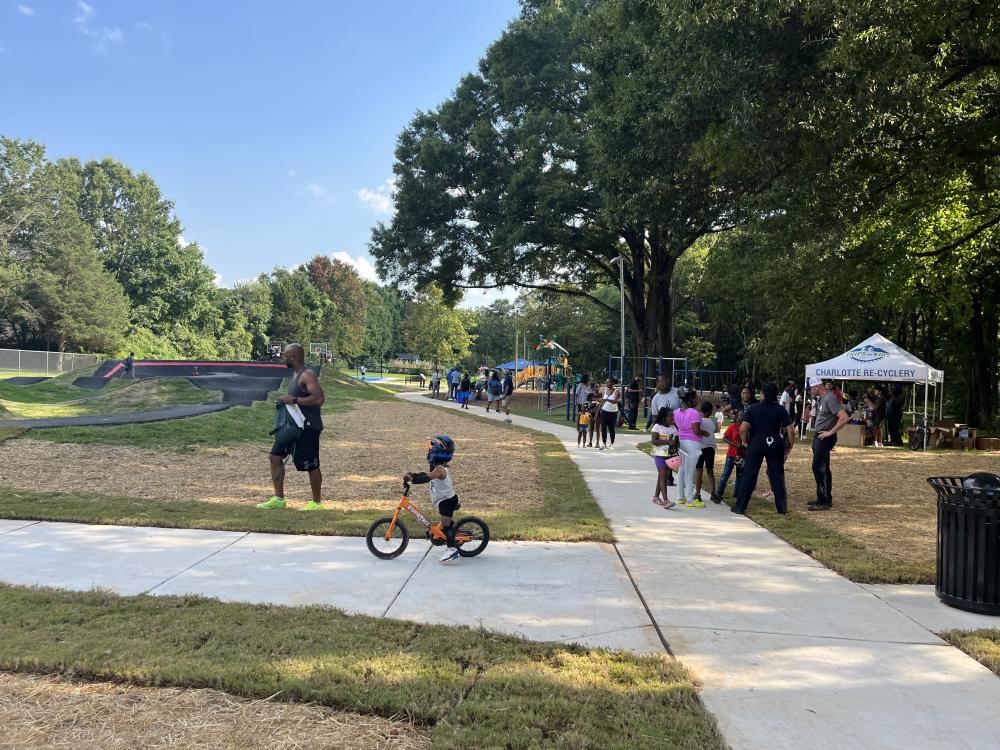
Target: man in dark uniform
x=304 y=391
x=768 y=435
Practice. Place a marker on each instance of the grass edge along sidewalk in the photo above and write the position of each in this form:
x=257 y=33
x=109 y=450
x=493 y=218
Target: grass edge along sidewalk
x=982 y=645
x=836 y=551
x=474 y=688
x=568 y=512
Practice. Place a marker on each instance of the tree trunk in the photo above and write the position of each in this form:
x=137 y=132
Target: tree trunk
x=983 y=352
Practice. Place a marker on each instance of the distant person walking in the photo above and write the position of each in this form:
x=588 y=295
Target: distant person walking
x=494 y=392
x=305 y=392
x=464 y=391
x=831 y=416
x=768 y=434
x=508 y=394
x=435 y=383
x=130 y=366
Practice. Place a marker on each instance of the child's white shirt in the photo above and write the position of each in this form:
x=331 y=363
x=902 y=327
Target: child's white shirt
x=663 y=450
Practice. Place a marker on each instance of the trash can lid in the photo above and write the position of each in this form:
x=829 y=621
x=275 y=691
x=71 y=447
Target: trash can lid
x=982 y=480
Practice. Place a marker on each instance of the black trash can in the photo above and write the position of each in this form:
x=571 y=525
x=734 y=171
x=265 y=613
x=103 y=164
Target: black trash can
x=968 y=543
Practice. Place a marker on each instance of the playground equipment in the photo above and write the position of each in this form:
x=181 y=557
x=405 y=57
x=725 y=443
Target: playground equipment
x=558 y=359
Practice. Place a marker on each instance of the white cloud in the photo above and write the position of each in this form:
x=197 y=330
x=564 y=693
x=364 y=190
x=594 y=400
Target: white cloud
x=218 y=281
x=145 y=25
x=378 y=200
x=25 y=10
x=181 y=241
x=101 y=37
x=318 y=191
x=361 y=264
x=86 y=12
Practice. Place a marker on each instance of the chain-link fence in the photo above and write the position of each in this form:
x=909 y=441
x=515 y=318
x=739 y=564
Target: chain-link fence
x=27 y=362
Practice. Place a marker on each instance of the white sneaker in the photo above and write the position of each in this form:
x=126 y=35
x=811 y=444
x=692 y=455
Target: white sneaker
x=451 y=553
x=509 y=420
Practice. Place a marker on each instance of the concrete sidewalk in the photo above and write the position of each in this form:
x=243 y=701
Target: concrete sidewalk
x=789 y=654
x=554 y=591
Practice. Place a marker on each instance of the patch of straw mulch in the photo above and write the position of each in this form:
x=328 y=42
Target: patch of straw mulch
x=364 y=453
x=881 y=496
x=60 y=714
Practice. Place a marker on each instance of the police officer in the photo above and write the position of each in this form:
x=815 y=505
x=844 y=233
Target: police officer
x=765 y=427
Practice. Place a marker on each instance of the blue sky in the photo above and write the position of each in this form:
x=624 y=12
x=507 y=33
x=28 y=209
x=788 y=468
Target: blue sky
x=270 y=125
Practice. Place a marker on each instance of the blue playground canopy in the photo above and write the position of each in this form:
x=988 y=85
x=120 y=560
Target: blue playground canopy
x=521 y=364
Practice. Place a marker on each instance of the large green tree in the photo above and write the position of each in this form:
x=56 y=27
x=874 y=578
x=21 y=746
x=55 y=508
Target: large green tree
x=578 y=141
x=343 y=286
x=433 y=330
x=139 y=239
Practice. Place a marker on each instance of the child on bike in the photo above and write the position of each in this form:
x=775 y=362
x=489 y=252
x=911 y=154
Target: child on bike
x=440 y=451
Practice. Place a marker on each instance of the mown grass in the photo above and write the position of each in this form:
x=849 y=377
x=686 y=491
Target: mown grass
x=239 y=424
x=568 y=511
x=836 y=551
x=476 y=689
x=982 y=645
x=137 y=396
x=50 y=391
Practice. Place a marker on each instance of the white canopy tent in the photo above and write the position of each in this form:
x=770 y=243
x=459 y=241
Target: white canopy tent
x=878 y=359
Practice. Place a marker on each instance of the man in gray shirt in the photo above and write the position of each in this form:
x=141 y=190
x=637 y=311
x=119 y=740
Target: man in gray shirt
x=831 y=416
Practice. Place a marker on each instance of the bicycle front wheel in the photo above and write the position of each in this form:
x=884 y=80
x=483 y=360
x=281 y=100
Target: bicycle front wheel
x=387 y=548
x=471 y=535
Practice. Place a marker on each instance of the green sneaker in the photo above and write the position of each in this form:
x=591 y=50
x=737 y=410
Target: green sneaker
x=312 y=505
x=696 y=504
x=274 y=502
x=681 y=501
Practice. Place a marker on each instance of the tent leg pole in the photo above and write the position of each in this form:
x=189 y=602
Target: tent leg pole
x=926 y=388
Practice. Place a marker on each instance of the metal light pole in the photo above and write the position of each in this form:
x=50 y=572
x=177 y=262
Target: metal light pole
x=620 y=261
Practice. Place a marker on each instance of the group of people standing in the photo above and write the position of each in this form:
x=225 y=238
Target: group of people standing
x=598 y=413
x=496 y=385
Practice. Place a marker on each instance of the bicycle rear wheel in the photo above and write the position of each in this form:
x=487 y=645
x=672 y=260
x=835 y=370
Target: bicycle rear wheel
x=471 y=535
x=387 y=549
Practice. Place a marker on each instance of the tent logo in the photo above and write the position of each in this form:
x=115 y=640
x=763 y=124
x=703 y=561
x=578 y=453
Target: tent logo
x=867 y=353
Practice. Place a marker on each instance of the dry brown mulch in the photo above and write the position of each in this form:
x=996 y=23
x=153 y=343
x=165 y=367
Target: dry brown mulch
x=364 y=453
x=60 y=714
x=881 y=496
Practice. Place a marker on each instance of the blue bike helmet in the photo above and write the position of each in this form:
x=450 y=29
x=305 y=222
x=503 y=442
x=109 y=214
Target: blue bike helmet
x=440 y=449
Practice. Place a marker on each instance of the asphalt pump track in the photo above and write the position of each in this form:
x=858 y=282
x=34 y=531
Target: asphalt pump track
x=241 y=383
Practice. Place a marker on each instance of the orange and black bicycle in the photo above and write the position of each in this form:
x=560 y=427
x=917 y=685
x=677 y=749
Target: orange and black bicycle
x=387 y=537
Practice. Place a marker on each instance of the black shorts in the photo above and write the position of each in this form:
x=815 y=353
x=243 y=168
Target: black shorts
x=707 y=458
x=448 y=507
x=306 y=453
